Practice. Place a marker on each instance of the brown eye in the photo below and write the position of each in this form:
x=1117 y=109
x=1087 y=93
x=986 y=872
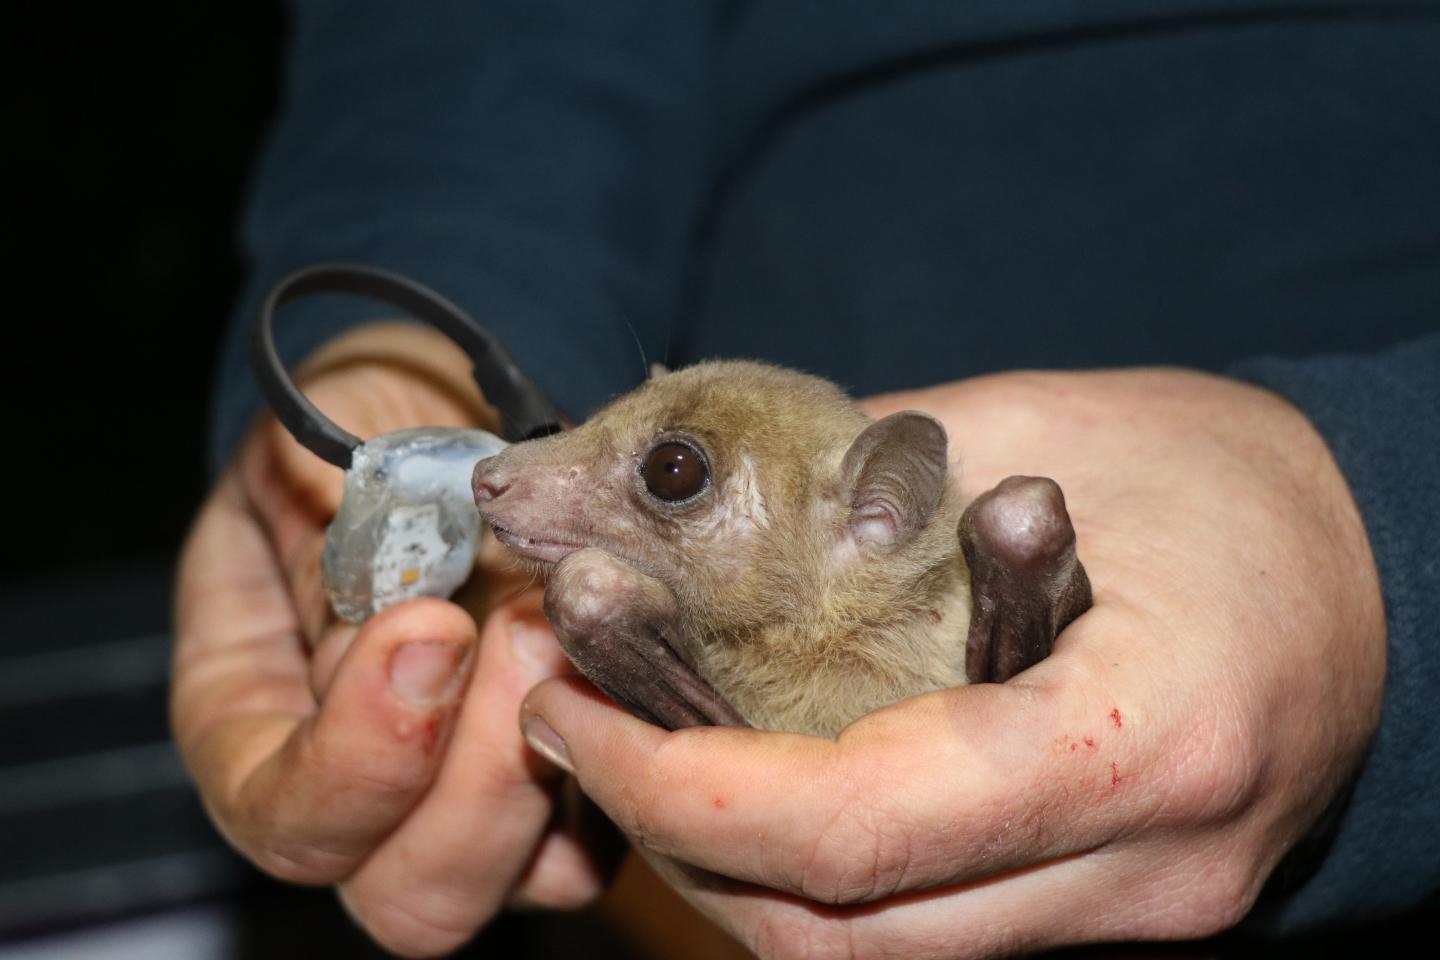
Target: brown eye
x=675 y=471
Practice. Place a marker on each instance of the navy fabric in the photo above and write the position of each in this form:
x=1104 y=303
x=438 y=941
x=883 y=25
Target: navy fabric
x=532 y=160
x=910 y=192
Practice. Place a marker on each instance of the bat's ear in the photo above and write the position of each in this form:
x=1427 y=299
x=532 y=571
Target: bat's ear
x=658 y=370
x=893 y=475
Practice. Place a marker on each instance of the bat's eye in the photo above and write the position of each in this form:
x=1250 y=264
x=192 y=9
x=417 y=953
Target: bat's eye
x=675 y=471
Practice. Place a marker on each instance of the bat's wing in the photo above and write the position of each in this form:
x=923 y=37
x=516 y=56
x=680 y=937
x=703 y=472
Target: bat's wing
x=621 y=628
x=1026 y=582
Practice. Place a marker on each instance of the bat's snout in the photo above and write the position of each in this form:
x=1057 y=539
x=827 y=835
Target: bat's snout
x=488 y=482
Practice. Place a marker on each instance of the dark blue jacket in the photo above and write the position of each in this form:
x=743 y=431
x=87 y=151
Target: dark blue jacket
x=900 y=193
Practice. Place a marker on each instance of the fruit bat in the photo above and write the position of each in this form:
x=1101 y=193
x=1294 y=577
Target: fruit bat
x=736 y=543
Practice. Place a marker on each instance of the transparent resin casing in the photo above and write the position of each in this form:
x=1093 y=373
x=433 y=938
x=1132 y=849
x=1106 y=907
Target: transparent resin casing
x=407 y=525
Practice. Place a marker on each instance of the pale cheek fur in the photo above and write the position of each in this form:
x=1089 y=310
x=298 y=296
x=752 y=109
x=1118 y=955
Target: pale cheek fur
x=741 y=510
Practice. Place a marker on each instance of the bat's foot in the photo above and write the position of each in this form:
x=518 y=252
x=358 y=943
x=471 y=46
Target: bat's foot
x=1026 y=582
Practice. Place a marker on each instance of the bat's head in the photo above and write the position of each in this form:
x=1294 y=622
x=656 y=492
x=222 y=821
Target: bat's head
x=740 y=485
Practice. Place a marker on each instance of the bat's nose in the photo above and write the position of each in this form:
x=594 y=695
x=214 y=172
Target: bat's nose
x=487 y=482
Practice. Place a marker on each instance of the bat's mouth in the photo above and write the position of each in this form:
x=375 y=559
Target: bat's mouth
x=536 y=548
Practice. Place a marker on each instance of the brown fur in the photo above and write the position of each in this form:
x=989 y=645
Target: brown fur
x=797 y=631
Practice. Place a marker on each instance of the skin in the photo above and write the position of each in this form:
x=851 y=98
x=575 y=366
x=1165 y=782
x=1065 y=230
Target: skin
x=1242 y=661
x=321 y=752
x=1140 y=783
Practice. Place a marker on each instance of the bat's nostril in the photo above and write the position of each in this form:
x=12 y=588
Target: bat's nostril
x=486 y=484
x=489 y=490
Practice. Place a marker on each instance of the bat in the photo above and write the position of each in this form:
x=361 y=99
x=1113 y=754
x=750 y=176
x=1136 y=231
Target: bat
x=735 y=543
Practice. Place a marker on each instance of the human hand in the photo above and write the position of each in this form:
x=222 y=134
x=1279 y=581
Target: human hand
x=387 y=761
x=1141 y=783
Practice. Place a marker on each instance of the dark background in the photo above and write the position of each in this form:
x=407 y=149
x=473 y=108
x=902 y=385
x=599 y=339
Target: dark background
x=130 y=134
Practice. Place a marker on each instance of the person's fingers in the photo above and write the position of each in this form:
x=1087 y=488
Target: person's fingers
x=1107 y=895
x=309 y=797
x=566 y=873
x=306 y=793
x=450 y=866
x=580 y=856
x=294 y=495
x=328 y=653
x=235 y=626
x=1045 y=767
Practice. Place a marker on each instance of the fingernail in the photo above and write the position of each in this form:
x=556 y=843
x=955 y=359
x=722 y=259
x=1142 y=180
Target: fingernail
x=423 y=674
x=535 y=648
x=545 y=741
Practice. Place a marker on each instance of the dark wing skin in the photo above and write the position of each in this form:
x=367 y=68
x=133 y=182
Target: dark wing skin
x=1026 y=582
x=621 y=629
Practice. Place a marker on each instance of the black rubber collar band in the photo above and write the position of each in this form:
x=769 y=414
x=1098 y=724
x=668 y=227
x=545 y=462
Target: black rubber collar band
x=524 y=410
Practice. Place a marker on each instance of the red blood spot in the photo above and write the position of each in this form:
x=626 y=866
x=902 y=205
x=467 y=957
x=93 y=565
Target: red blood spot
x=719 y=803
x=1090 y=742
x=1115 y=717
x=430 y=733
x=1072 y=746
x=1114 y=774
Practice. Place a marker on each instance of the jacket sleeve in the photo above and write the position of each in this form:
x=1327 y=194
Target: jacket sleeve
x=1380 y=414
x=535 y=161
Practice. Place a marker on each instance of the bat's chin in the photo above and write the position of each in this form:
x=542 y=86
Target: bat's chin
x=534 y=548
